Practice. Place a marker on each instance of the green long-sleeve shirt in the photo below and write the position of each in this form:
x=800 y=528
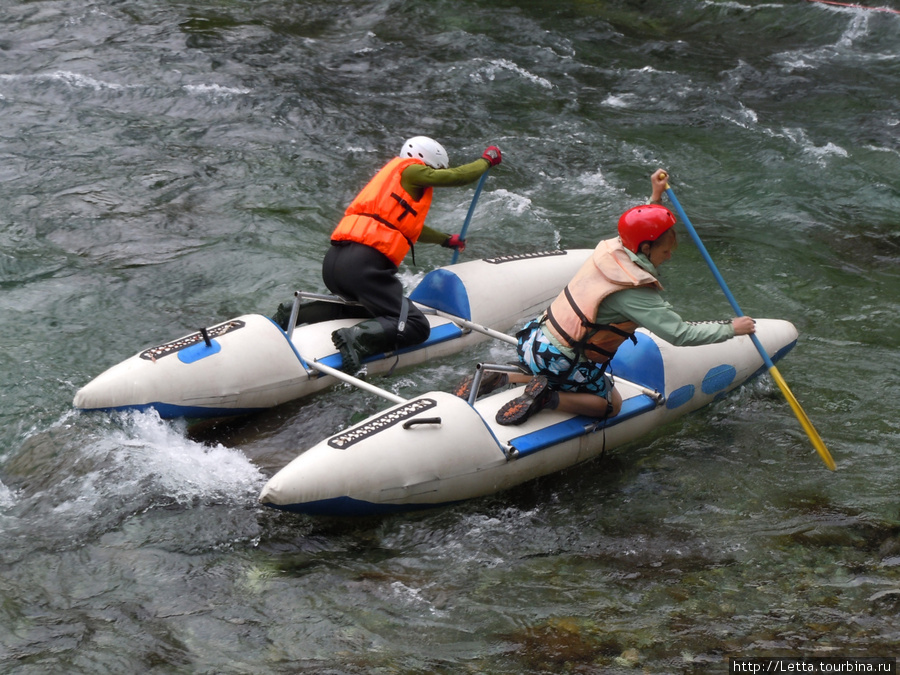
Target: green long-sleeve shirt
x=417 y=177
x=647 y=308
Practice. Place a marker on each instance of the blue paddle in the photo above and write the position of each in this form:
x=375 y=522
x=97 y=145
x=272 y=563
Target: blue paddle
x=465 y=227
x=805 y=422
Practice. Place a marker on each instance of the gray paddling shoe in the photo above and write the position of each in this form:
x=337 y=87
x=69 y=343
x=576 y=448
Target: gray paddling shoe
x=536 y=396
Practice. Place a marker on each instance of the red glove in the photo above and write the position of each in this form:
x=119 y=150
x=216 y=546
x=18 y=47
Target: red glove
x=492 y=155
x=453 y=241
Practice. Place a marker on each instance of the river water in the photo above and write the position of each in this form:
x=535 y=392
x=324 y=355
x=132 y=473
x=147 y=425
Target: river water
x=167 y=165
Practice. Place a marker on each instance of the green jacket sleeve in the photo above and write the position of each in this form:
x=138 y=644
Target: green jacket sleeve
x=431 y=236
x=646 y=307
x=417 y=177
x=421 y=176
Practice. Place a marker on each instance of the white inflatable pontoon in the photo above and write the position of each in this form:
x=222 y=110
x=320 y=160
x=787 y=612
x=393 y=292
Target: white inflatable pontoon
x=438 y=449
x=249 y=363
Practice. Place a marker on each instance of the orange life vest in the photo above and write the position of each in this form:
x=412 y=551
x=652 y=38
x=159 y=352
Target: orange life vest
x=383 y=215
x=571 y=315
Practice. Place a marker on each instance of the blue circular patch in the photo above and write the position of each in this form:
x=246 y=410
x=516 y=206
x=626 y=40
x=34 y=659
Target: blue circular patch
x=680 y=396
x=718 y=378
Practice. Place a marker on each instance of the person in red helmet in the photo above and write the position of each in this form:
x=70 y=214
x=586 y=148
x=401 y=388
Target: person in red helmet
x=378 y=229
x=568 y=348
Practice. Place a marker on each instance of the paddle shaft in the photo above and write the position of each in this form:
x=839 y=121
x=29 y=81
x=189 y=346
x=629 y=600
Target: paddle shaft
x=805 y=422
x=465 y=227
x=715 y=272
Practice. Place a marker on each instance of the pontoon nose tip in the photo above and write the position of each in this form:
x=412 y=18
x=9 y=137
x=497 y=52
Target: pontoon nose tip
x=91 y=396
x=267 y=496
x=81 y=397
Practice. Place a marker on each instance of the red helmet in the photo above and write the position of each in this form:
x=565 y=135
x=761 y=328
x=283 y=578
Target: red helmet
x=644 y=223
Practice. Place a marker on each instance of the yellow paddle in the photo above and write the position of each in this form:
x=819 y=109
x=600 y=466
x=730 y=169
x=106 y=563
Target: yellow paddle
x=805 y=422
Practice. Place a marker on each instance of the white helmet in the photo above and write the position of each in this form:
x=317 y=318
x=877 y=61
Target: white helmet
x=428 y=150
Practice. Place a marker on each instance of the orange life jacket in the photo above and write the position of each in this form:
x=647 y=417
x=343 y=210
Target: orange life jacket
x=383 y=215
x=571 y=315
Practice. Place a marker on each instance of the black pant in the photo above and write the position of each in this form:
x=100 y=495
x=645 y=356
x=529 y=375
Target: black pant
x=365 y=275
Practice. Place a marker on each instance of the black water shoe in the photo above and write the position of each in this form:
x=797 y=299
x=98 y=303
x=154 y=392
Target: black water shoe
x=358 y=342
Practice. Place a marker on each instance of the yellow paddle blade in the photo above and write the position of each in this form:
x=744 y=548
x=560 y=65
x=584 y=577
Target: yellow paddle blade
x=805 y=422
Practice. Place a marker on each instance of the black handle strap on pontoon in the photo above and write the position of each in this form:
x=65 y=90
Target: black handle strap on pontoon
x=408 y=424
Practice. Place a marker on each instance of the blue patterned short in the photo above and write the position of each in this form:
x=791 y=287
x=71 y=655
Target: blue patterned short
x=543 y=358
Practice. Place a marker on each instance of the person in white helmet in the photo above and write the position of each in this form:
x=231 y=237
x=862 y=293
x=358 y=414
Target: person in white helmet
x=381 y=225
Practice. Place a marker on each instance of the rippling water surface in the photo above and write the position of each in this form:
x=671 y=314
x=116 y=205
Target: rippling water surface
x=168 y=165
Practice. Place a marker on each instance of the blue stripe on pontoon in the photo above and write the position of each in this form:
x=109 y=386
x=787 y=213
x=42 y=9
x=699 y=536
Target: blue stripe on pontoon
x=578 y=426
x=442 y=333
x=347 y=506
x=170 y=411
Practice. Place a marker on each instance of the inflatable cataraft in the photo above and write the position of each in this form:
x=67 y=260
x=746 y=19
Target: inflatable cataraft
x=249 y=363
x=438 y=449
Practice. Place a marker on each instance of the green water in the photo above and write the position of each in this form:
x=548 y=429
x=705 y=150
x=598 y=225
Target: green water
x=169 y=165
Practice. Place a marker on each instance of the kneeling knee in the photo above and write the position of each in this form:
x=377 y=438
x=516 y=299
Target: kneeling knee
x=414 y=333
x=615 y=404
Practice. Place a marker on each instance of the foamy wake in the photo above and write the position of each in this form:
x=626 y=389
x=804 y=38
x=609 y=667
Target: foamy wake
x=142 y=461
